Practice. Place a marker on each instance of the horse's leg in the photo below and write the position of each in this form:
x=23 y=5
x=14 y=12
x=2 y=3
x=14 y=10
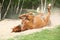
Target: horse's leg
x=47 y=17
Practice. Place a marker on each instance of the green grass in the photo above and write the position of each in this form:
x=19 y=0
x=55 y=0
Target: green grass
x=53 y=34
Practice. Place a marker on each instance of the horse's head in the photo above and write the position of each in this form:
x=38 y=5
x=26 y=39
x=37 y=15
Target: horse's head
x=16 y=29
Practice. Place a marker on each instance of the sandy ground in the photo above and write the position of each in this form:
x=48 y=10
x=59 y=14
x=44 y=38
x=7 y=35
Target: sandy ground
x=7 y=25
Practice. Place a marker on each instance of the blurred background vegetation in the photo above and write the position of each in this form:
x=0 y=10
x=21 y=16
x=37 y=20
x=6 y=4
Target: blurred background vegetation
x=29 y=3
x=15 y=7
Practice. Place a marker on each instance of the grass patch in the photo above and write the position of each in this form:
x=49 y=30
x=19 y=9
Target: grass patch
x=43 y=35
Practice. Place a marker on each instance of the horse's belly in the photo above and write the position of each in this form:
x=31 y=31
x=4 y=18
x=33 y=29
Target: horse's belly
x=38 y=22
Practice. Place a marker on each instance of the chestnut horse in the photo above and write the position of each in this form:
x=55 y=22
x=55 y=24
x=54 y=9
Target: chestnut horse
x=29 y=21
